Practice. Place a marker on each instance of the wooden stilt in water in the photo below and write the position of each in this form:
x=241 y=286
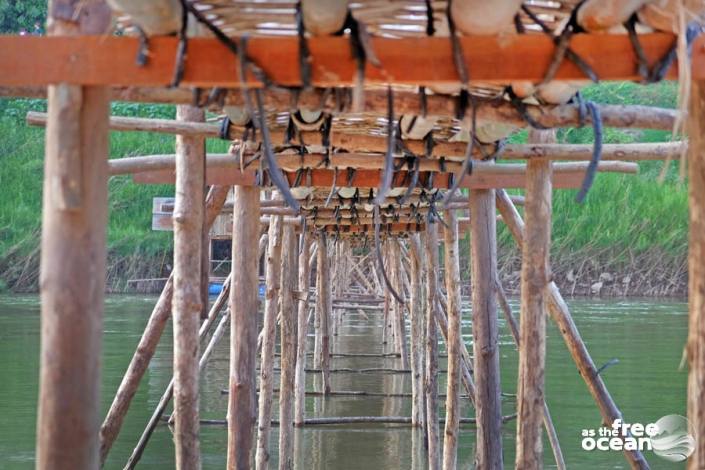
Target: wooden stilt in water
x=243 y=327
x=535 y=275
x=452 y=280
x=431 y=379
x=323 y=308
x=416 y=312
x=560 y=314
x=398 y=308
x=696 y=273
x=288 y=349
x=72 y=279
x=187 y=302
x=483 y=252
x=269 y=337
x=304 y=282
x=148 y=342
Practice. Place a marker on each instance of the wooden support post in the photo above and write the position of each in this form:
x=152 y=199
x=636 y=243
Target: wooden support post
x=696 y=273
x=452 y=280
x=72 y=281
x=416 y=312
x=269 y=337
x=483 y=252
x=323 y=308
x=560 y=314
x=288 y=348
x=187 y=303
x=148 y=342
x=243 y=327
x=535 y=276
x=395 y=266
x=302 y=329
x=431 y=379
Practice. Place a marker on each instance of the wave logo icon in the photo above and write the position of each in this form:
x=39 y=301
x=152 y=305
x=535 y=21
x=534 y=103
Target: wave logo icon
x=672 y=440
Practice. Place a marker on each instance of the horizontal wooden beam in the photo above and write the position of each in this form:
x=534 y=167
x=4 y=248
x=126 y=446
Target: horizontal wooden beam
x=566 y=175
x=375 y=101
x=110 y=60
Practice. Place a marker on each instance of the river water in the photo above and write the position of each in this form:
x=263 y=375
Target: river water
x=647 y=338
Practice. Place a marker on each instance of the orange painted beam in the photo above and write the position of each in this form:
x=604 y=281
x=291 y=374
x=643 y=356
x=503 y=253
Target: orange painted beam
x=323 y=178
x=110 y=60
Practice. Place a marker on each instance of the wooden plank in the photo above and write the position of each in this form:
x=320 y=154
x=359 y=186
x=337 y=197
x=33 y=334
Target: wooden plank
x=110 y=60
x=370 y=179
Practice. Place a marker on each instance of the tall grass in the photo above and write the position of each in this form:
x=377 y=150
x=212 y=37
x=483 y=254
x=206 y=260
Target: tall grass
x=625 y=217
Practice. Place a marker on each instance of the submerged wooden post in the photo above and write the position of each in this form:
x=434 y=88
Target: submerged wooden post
x=417 y=332
x=488 y=405
x=288 y=349
x=269 y=337
x=535 y=275
x=323 y=307
x=395 y=267
x=560 y=314
x=72 y=280
x=696 y=273
x=302 y=329
x=243 y=327
x=452 y=280
x=187 y=303
x=431 y=379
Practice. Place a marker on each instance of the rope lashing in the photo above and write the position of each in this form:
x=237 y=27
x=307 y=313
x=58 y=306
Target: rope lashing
x=458 y=58
x=380 y=260
x=466 y=168
x=304 y=51
x=387 y=174
x=332 y=188
x=430 y=27
x=182 y=48
x=591 y=170
x=414 y=166
x=224 y=131
x=522 y=109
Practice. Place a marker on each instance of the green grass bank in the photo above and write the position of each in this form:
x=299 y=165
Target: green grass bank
x=628 y=238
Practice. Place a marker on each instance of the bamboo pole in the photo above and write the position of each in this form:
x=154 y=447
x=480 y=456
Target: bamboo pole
x=417 y=332
x=323 y=308
x=431 y=378
x=288 y=349
x=302 y=329
x=187 y=302
x=454 y=338
x=269 y=336
x=535 y=275
x=137 y=452
x=483 y=252
x=696 y=273
x=243 y=327
x=547 y=420
x=398 y=307
x=72 y=278
x=560 y=314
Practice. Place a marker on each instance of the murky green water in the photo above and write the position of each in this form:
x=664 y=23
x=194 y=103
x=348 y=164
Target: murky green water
x=647 y=337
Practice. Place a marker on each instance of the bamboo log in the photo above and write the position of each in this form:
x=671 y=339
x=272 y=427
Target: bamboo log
x=416 y=312
x=288 y=348
x=243 y=328
x=187 y=302
x=535 y=275
x=696 y=274
x=137 y=452
x=454 y=338
x=547 y=420
x=431 y=378
x=398 y=308
x=483 y=252
x=323 y=308
x=304 y=281
x=405 y=102
x=560 y=314
x=269 y=336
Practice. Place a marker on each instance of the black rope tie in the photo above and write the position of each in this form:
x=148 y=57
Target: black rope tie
x=224 y=131
x=596 y=151
x=466 y=168
x=304 y=51
x=182 y=48
x=386 y=180
x=430 y=27
x=380 y=260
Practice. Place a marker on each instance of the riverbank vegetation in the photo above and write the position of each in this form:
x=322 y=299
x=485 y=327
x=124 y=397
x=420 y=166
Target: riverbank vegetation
x=628 y=238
